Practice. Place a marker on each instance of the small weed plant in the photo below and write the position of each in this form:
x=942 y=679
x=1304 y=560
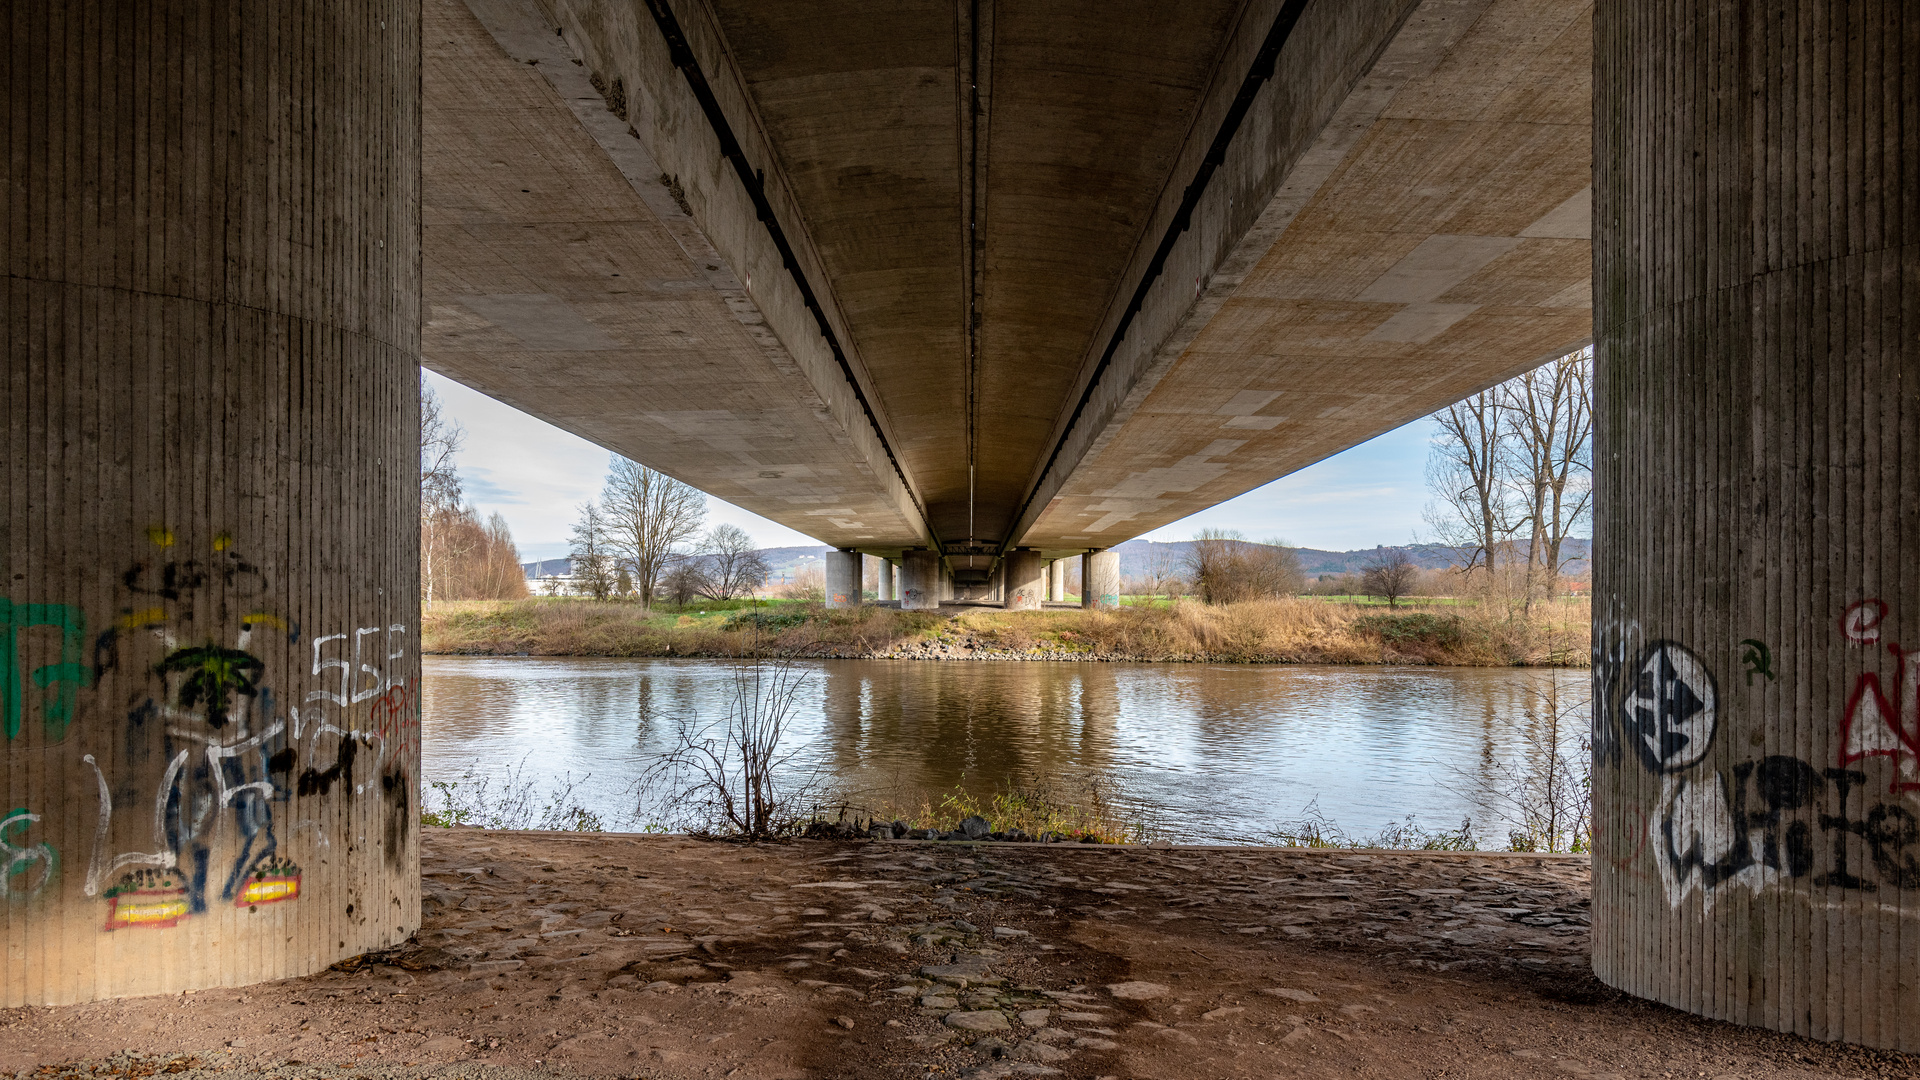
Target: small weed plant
x=507 y=801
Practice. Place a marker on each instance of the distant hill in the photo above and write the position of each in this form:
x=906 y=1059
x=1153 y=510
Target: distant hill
x=1137 y=555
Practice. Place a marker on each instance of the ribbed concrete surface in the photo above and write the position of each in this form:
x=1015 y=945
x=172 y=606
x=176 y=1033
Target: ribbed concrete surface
x=209 y=534
x=1757 y=290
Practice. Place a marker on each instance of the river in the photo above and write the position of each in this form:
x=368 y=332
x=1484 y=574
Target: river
x=1195 y=752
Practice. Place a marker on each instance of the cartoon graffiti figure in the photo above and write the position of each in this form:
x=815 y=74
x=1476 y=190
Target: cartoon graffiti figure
x=59 y=681
x=1758 y=660
x=214 y=674
x=17 y=879
x=1669 y=709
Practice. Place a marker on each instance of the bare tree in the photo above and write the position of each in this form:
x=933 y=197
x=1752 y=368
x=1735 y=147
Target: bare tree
x=1390 y=575
x=737 y=775
x=594 y=567
x=650 y=519
x=1548 y=457
x=1465 y=470
x=733 y=565
x=684 y=581
x=440 y=495
x=1224 y=566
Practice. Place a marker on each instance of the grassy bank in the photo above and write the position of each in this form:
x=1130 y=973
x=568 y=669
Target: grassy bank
x=1304 y=631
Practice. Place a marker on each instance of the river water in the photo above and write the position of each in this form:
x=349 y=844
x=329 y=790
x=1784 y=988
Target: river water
x=1196 y=752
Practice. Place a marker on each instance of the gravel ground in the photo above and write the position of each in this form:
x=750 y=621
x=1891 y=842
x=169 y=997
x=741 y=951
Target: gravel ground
x=593 y=955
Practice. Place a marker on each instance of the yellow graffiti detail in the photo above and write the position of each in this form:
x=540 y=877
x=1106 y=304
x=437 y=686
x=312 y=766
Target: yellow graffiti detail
x=223 y=541
x=160 y=535
x=268 y=890
x=274 y=621
x=146 y=912
x=134 y=620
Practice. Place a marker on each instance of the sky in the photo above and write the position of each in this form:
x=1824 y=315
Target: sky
x=536 y=476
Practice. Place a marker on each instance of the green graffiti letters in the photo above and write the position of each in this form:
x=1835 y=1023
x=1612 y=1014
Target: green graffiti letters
x=58 y=681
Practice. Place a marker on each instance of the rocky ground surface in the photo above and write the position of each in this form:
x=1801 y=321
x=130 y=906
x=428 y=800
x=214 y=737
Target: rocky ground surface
x=551 y=955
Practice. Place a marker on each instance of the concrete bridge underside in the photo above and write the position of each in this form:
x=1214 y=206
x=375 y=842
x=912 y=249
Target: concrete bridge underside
x=975 y=276
x=955 y=280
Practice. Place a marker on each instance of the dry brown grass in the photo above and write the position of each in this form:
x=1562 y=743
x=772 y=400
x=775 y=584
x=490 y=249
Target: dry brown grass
x=1488 y=632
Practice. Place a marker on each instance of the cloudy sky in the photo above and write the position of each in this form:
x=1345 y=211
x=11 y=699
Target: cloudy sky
x=537 y=476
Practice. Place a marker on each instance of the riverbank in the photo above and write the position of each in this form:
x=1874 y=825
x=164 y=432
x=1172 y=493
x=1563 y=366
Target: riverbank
x=546 y=955
x=1290 y=631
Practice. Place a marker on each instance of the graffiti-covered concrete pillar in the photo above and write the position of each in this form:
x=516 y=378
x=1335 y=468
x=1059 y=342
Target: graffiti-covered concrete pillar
x=844 y=571
x=1756 y=610
x=1025 y=579
x=919 y=579
x=209 y=541
x=1100 y=579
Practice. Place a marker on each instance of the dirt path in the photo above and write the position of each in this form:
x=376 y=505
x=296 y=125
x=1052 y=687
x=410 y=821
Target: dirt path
x=550 y=954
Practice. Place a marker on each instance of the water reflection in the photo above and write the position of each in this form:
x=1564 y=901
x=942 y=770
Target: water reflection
x=1204 y=752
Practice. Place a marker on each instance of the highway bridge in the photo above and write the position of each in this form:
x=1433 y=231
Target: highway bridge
x=967 y=285
x=973 y=278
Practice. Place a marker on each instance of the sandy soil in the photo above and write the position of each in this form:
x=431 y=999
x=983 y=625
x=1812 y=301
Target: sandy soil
x=560 y=954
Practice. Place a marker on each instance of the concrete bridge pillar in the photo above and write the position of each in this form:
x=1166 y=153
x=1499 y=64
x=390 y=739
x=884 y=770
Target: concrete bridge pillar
x=1026 y=579
x=886 y=580
x=209 y=534
x=1100 y=579
x=844 y=578
x=1757 y=317
x=946 y=582
x=1057 y=581
x=920 y=574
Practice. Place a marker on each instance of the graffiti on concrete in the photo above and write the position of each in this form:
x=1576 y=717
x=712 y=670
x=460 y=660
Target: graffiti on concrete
x=1860 y=623
x=235 y=738
x=1774 y=819
x=59 y=681
x=1669 y=708
x=1756 y=658
x=25 y=866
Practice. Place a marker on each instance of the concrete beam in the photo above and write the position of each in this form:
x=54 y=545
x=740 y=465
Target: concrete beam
x=583 y=226
x=1369 y=215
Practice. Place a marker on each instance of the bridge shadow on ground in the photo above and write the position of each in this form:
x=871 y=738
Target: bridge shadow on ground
x=566 y=955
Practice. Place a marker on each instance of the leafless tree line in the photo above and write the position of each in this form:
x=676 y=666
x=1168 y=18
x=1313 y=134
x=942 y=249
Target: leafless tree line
x=1511 y=470
x=461 y=557
x=644 y=537
x=1224 y=567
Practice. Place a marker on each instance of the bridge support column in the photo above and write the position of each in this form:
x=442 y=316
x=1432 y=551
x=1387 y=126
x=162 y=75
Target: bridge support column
x=844 y=574
x=946 y=583
x=886 y=580
x=1026 y=579
x=1057 y=581
x=209 y=529
x=920 y=574
x=1757 y=318
x=1100 y=579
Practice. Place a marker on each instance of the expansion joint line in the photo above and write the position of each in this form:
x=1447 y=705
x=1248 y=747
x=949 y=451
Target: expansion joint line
x=1257 y=75
x=681 y=55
